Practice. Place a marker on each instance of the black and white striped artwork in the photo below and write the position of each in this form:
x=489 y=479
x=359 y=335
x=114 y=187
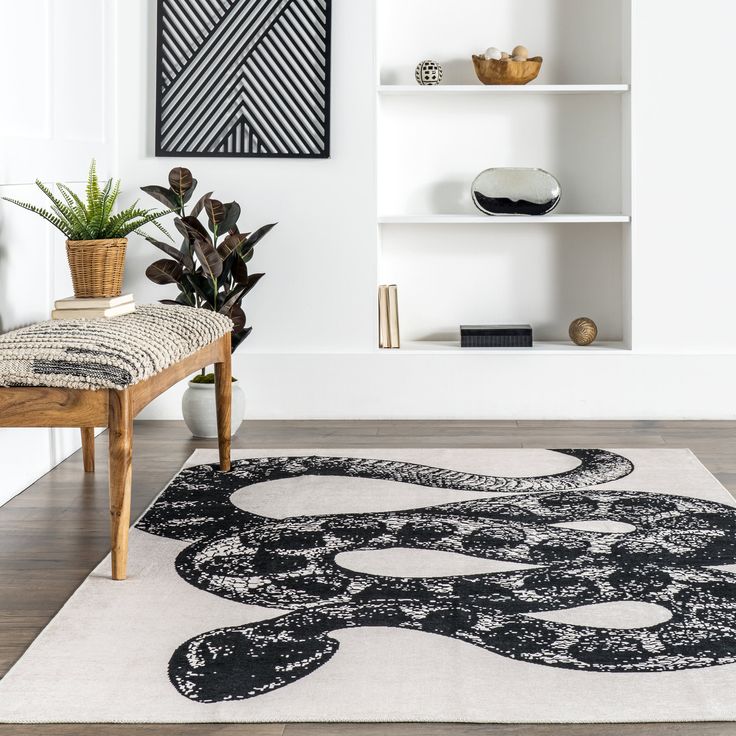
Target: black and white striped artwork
x=243 y=78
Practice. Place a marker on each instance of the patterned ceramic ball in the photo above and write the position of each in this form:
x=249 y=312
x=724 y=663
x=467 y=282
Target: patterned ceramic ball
x=520 y=51
x=428 y=72
x=583 y=331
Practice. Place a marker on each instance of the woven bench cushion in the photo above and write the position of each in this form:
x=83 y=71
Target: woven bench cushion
x=106 y=353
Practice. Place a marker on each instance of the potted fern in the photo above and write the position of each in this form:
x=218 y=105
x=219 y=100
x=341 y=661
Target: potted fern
x=96 y=236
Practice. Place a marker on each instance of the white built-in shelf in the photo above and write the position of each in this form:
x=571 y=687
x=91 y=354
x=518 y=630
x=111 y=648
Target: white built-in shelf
x=480 y=219
x=482 y=89
x=451 y=262
x=430 y=347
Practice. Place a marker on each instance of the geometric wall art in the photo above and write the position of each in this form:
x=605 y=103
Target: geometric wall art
x=243 y=78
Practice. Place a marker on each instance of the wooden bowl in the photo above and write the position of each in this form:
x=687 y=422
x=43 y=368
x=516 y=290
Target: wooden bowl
x=506 y=71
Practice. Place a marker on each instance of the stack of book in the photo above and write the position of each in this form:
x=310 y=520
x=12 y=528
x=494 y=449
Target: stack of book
x=93 y=307
x=388 y=317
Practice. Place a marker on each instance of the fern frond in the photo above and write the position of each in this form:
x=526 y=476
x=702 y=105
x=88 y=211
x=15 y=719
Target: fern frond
x=111 y=195
x=83 y=213
x=133 y=225
x=61 y=209
x=93 y=187
x=78 y=215
x=158 y=225
x=70 y=224
x=100 y=219
x=67 y=198
x=55 y=221
x=117 y=221
x=130 y=220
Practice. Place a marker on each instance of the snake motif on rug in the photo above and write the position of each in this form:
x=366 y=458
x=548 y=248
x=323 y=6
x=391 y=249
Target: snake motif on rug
x=669 y=559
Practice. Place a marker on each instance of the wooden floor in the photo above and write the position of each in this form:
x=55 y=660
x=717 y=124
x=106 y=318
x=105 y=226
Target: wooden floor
x=54 y=533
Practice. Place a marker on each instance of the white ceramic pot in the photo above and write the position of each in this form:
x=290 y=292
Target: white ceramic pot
x=200 y=411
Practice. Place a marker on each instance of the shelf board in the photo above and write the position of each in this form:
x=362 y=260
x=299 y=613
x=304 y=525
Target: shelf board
x=480 y=219
x=429 y=347
x=482 y=89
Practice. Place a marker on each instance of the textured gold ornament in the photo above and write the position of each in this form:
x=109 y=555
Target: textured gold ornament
x=583 y=331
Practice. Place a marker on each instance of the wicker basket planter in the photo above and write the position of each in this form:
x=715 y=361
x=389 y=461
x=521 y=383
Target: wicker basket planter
x=97 y=266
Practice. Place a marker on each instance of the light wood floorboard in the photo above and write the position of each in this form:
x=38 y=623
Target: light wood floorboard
x=55 y=532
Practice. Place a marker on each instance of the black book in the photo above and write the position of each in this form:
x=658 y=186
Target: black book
x=496 y=336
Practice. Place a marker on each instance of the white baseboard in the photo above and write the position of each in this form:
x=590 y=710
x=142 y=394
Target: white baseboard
x=466 y=386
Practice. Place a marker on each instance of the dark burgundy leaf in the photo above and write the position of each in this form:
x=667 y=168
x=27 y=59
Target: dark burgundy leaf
x=180 y=180
x=238 y=337
x=188 y=194
x=197 y=209
x=215 y=211
x=175 y=253
x=257 y=235
x=196 y=229
x=240 y=271
x=233 y=299
x=208 y=257
x=200 y=285
x=165 y=272
x=182 y=228
x=232 y=213
x=229 y=244
x=237 y=315
x=252 y=280
x=161 y=194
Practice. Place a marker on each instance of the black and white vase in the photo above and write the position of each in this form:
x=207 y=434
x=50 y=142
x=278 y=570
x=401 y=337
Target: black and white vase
x=516 y=191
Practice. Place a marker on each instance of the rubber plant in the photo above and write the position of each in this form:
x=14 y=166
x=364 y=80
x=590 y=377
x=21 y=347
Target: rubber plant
x=210 y=268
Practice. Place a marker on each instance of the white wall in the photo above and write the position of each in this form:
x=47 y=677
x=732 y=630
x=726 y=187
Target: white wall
x=684 y=259
x=312 y=352
x=52 y=129
x=318 y=293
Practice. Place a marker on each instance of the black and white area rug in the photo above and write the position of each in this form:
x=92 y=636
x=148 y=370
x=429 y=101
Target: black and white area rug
x=406 y=585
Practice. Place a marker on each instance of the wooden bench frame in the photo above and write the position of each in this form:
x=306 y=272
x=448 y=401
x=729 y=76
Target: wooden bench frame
x=60 y=407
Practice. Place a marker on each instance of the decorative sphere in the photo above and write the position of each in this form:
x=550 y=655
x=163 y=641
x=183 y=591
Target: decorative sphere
x=505 y=56
x=428 y=72
x=521 y=51
x=583 y=331
x=494 y=53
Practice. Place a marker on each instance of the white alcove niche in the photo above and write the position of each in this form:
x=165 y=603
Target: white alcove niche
x=581 y=41
x=454 y=265
x=537 y=274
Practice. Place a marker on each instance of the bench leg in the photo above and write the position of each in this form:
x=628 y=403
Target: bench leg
x=88 y=449
x=224 y=397
x=121 y=456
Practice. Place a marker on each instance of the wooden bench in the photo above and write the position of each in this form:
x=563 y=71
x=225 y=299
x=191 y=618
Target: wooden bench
x=48 y=406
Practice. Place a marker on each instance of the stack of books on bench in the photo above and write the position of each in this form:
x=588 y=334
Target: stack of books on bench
x=93 y=307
